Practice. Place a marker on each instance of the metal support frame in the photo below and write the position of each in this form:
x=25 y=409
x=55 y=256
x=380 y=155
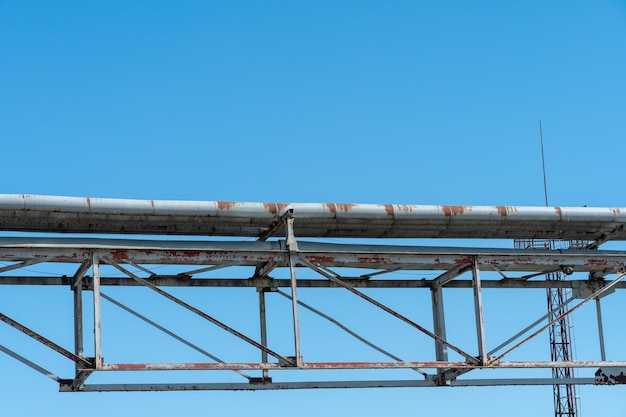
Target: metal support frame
x=331 y=267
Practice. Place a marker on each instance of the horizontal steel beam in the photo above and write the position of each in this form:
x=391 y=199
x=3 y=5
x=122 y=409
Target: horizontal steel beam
x=177 y=281
x=258 y=253
x=206 y=366
x=328 y=384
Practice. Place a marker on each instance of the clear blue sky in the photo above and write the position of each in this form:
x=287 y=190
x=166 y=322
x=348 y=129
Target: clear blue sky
x=363 y=102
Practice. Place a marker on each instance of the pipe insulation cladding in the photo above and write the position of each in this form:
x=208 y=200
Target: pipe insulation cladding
x=56 y=214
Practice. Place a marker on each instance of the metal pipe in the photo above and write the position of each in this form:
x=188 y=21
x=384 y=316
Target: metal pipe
x=33 y=212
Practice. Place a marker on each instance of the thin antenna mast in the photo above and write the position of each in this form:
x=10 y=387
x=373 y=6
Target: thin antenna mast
x=560 y=342
x=543 y=163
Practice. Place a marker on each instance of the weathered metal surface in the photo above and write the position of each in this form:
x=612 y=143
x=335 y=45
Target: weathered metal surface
x=378 y=265
x=324 y=385
x=611 y=376
x=97 y=321
x=99 y=215
x=326 y=254
x=478 y=315
x=176 y=281
x=329 y=366
x=439 y=323
x=292 y=248
x=357 y=282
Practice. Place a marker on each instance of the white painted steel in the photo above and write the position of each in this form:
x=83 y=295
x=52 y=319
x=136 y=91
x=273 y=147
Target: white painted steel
x=99 y=215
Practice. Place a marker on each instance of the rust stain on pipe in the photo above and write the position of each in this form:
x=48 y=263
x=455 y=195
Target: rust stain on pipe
x=405 y=208
x=453 y=210
x=270 y=207
x=225 y=205
x=345 y=207
x=275 y=208
x=331 y=207
x=559 y=212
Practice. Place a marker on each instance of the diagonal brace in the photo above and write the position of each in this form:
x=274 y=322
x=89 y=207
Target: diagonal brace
x=596 y=294
x=353 y=290
x=350 y=332
x=45 y=341
x=199 y=312
x=27 y=362
x=166 y=331
x=21 y=265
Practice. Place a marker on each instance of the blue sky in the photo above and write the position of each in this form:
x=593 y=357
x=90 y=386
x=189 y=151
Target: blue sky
x=361 y=102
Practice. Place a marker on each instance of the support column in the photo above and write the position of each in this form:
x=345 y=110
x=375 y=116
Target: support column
x=263 y=321
x=478 y=311
x=97 y=328
x=600 y=329
x=292 y=247
x=78 y=320
x=439 y=325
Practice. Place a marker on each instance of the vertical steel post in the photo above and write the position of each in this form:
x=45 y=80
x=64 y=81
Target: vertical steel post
x=78 y=320
x=292 y=247
x=439 y=325
x=263 y=321
x=600 y=329
x=478 y=311
x=97 y=328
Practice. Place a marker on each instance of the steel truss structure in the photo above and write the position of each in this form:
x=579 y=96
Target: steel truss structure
x=358 y=268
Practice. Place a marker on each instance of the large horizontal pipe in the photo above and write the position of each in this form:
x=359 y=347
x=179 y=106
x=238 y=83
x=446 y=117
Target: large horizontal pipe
x=34 y=213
